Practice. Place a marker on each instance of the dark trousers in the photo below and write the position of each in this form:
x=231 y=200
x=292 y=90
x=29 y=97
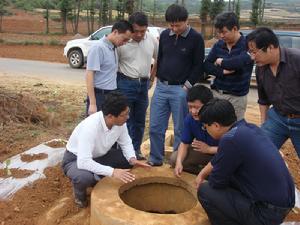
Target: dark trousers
x=82 y=179
x=99 y=95
x=194 y=161
x=230 y=207
x=136 y=92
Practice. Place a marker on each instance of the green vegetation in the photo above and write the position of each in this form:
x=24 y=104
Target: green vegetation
x=7 y=170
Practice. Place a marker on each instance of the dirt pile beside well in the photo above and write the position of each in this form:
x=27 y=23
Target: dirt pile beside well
x=24 y=108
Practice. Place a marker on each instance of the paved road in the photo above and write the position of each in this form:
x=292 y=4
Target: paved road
x=58 y=72
x=47 y=70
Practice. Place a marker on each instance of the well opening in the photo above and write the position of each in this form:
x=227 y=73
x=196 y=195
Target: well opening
x=158 y=195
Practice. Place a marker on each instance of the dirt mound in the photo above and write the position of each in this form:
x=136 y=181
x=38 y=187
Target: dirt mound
x=33 y=157
x=16 y=173
x=24 y=108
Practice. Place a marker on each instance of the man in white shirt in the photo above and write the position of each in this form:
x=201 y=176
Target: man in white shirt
x=134 y=77
x=90 y=154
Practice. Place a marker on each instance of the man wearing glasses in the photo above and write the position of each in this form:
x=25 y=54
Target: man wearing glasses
x=91 y=154
x=229 y=62
x=134 y=76
x=278 y=84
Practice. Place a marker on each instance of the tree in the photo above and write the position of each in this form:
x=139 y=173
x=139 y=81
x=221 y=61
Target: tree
x=3 y=11
x=204 y=12
x=238 y=9
x=217 y=7
x=154 y=11
x=262 y=10
x=120 y=9
x=129 y=6
x=90 y=15
x=65 y=7
x=104 y=12
x=75 y=20
x=255 y=12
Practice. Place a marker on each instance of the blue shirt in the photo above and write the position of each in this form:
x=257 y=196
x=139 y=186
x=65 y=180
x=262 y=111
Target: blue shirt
x=102 y=59
x=193 y=129
x=236 y=59
x=180 y=59
x=250 y=162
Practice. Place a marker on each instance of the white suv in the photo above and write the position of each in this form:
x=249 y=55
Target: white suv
x=76 y=50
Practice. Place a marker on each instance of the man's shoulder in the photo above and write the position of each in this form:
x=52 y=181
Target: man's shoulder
x=292 y=53
x=195 y=35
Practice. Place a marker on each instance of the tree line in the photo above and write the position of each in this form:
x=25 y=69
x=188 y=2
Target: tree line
x=101 y=11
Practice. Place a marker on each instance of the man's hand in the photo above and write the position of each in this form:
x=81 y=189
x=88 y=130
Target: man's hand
x=123 y=175
x=178 y=169
x=200 y=146
x=218 y=61
x=199 y=180
x=228 y=72
x=92 y=109
x=135 y=162
x=151 y=81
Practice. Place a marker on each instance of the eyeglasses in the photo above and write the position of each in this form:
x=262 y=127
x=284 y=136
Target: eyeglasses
x=125 y=114
x=203 y=127
x=254 y=53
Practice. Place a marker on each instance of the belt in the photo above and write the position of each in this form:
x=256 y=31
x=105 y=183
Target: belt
x=140 y=79
x=101 y=91
x=166 y=82
x=288 y=115
x=292 y=116
x=222 y=92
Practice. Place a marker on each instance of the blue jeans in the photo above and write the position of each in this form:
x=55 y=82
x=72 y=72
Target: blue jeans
x=166 y=99
x=279 y=128
x=137 y=95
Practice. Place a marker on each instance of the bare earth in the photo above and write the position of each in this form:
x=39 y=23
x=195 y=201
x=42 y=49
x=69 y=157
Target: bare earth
x=55 y=110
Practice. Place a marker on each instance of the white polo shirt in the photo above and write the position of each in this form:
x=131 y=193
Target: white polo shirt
x=135 y=57
x=91 y=139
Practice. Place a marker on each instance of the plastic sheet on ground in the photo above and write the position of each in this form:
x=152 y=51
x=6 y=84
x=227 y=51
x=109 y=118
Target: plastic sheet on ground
x=10 y=185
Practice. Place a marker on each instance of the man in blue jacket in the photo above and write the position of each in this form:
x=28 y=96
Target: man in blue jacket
x=230 y=63
x=248 y=182
x=197 y=147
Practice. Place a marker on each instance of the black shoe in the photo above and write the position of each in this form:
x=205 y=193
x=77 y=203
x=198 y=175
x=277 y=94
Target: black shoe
x=80 y=203
x=140 y=156
x=154 y=164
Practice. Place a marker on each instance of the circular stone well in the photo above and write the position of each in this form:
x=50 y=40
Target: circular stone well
x=156 y=197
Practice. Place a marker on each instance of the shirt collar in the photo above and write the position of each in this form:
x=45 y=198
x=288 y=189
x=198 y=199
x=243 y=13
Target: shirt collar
x=282 y=55
x=238 y=43
x=102 y=121
x=184 y=34
x=238 y=123
x=108 y=43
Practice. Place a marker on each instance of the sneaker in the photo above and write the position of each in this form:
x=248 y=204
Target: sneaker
x=140 y=156
x=80 y=203
x=153 y=163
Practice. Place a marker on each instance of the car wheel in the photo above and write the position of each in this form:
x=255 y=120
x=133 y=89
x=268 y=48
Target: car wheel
x=76 y=59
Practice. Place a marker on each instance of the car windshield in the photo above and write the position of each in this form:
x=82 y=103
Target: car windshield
x=100 y=33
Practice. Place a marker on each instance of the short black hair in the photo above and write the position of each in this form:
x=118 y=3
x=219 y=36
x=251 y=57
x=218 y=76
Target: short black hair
x=138 y=18
x=199 y=92
x=228 y=20
x=122 y=26
x=114 y=103
x=176 y=13
x=263 y=37
x=218 y=110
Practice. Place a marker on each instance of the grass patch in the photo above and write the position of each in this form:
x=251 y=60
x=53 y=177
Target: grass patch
x=54 y=42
